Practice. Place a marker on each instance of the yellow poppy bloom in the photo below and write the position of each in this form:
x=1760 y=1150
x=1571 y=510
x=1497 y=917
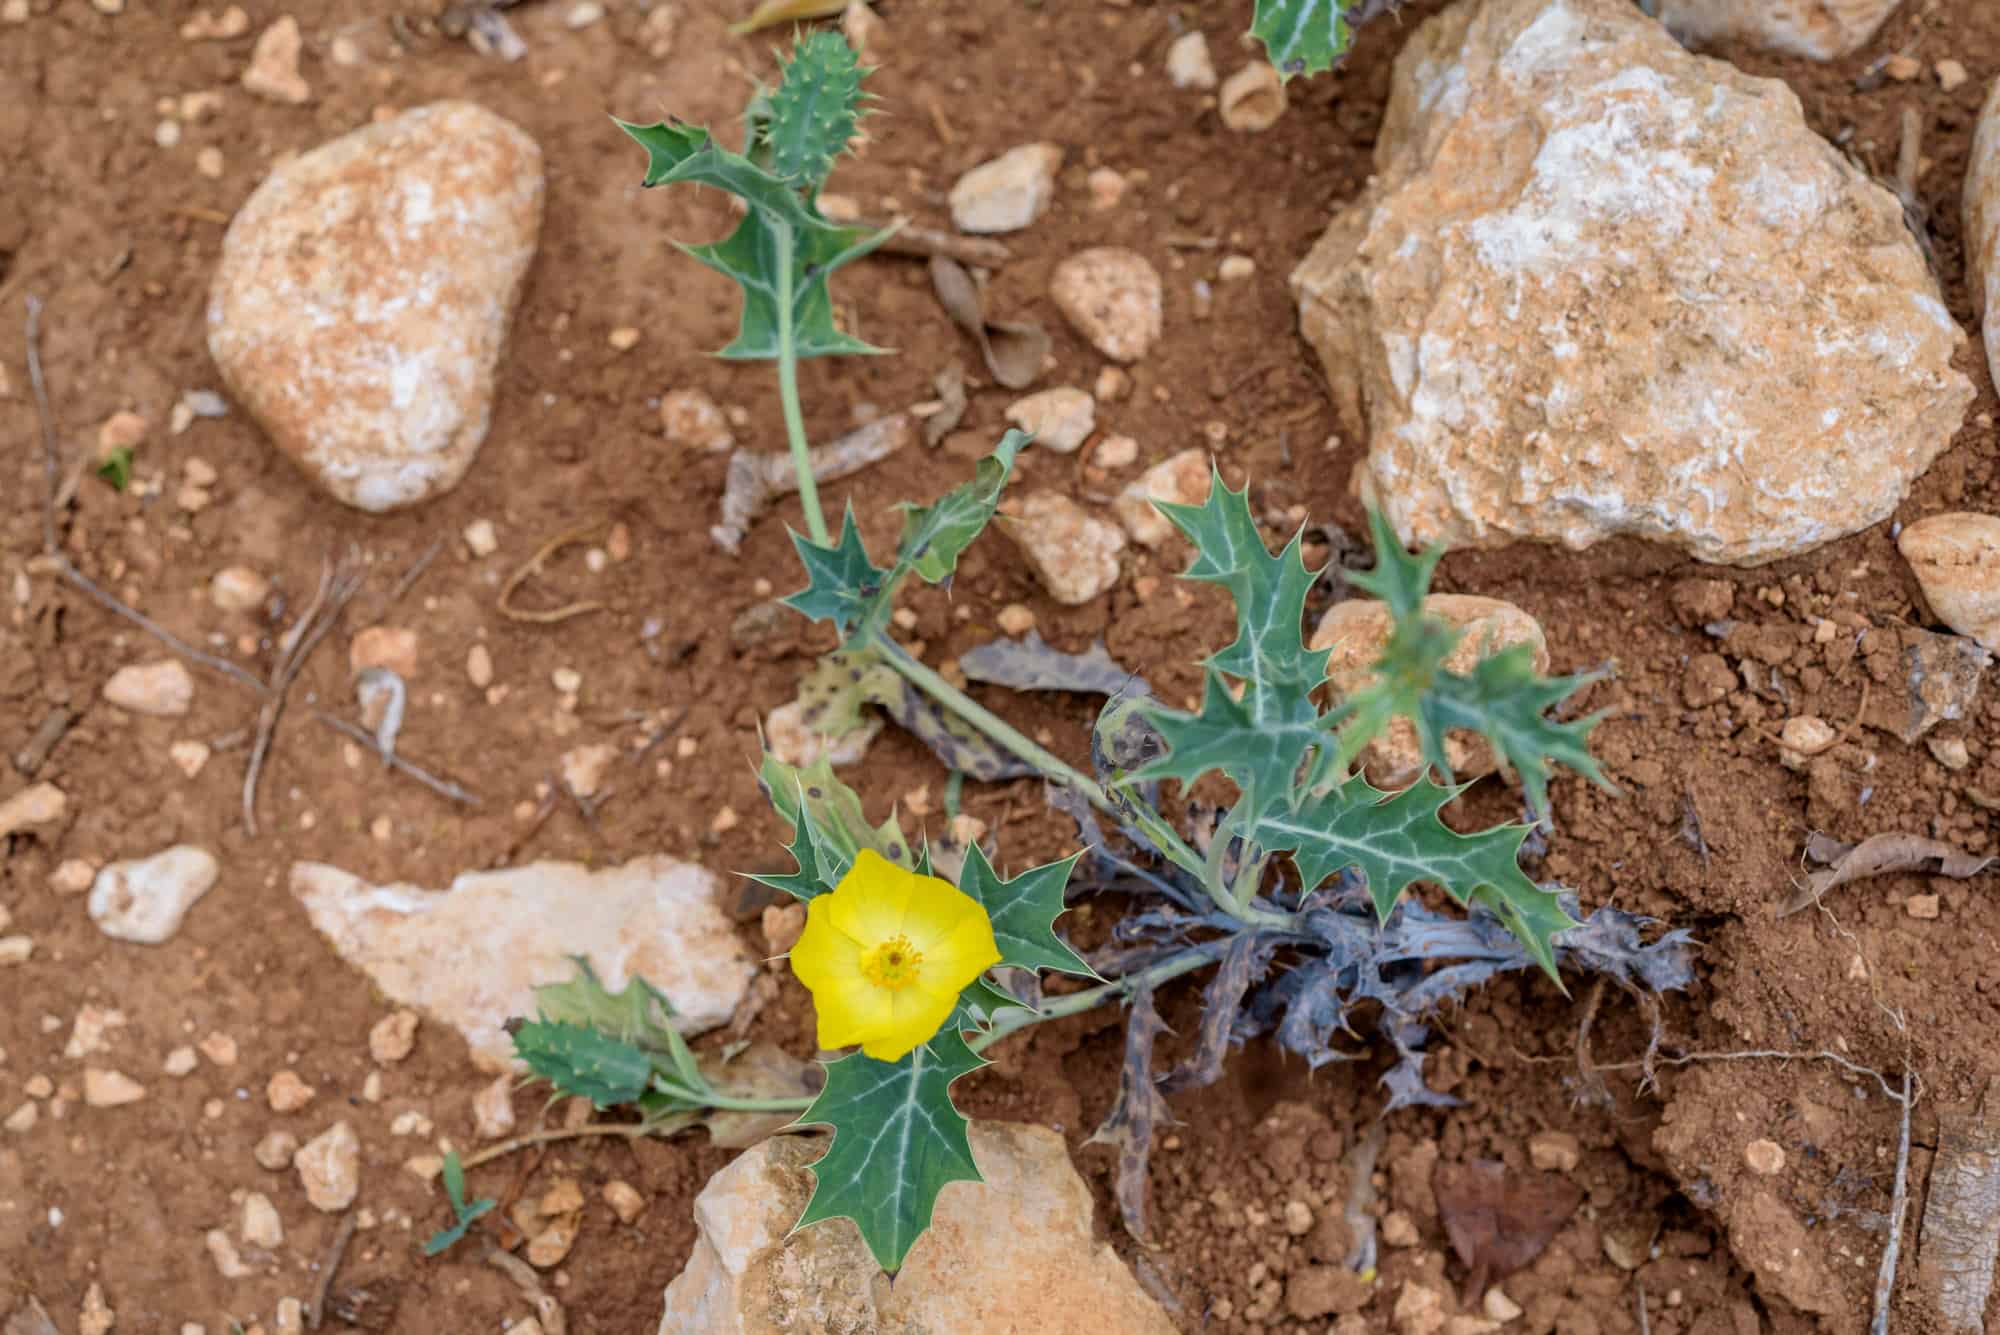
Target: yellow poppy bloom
x=886 y=953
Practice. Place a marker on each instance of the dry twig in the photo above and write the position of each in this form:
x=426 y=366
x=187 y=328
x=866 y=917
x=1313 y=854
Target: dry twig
x=442 y=787
x=338 y=583
x=567 y=538
x=316 y=1309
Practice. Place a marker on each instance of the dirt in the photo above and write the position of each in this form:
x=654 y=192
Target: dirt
x=120 y=236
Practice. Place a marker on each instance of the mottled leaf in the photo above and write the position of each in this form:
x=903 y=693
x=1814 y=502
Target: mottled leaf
x=1030 y=664
x=1139 y=1110
x=828 y=827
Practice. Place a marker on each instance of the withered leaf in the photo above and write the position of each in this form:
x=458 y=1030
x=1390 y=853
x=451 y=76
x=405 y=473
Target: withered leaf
x=1879 y=856
x=1139 y=1109
x=1013 y=350
x=760 y=1071
x=1031 y=664
x=1499 y=1221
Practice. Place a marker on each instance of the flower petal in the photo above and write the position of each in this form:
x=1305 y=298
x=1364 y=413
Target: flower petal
x=936 y=909
x=961 y=955
x=917 y=1017
x=872 y=900
x=824 y=956
x=854 y=1012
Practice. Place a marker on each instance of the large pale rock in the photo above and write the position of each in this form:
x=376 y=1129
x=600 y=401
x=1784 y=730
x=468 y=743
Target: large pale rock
x=1354 y=633
x=145 y=899
x=472 y=955
x=1956 y=559
x=1982 y=226
x=364 y=295
x=1013 y=1254
x=1600 y=286
x=1817 y=29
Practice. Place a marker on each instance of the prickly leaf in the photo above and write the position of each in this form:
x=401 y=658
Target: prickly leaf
x=1303 y=36
x=581 y=1061
x=815 y=109
x=1024 y=911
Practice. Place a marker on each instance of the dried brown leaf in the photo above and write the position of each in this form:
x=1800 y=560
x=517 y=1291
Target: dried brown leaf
x=1499 y=1221
x=1139 y=1109
x=1879 y=856
x=773 y=12
x=1013 y=350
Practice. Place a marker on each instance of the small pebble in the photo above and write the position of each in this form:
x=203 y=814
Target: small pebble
x=479 y=666
x=219 y=1048
x=167 y=133
x=287 y=1093
x=228 y=1261
x=1252 y=99
x=1235 y=268
x=1949 y=752
x=582 y=16
x=180 y=1062
x=391 y=647
x=1802 y=738
x=1399 y=1230
x=261 y=1226
x=1766 y=1157
x=1189 y=64
x=1107 y=187
x=121 y=431
x=567 y=680
x=72 y=877
x=14 y=11
x=725 y=821
x=110 y=1089
x=238 y=589
x=1298 y=1218
x=329 y=1167
x=1902 y=68
x=22 y=1119
x=16 y=950
x=493 y=1109
x=275 y=1150
x=480 y=539
x=1926 y=907
x=162 y=689
x=208 y=161
x=690 y=418
x=393 y=1037
x=1951 y=75
x=1116 y=452
x=623 y=339
x=1016 y=619
x=624 y=1200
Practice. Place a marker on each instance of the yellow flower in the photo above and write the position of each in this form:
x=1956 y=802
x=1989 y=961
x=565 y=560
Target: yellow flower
x=886 y=953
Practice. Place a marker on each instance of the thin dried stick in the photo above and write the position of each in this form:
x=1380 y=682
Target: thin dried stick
x=629 y=1130
x=52 y=548
x=409 y=579
x=337 y=585
x=567 y=538
x=442 y=787
x=316 y=1310
x=924 y=242
x=1899 y=1204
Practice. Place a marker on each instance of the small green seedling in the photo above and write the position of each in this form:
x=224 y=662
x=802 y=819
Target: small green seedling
x=466 y=1215
x=116 y=468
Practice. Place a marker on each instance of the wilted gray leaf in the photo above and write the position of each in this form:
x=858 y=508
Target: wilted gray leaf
x=1032 y=665
x=1139 y=1109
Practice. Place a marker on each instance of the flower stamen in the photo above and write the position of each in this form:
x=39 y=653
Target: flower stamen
x=893 y=964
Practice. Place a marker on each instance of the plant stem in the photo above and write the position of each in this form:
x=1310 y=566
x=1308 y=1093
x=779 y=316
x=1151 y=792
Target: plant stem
x=629 y=1130
x=788 y=394
x=1075 y=1003
x=711 y=1098
x=999 y=730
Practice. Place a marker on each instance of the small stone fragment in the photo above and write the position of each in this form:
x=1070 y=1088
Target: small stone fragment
x=1180 y=480
x=228 y=1261
x=1112 y=296
x=276 y=1150
x=391 y=647
x=623 y=339
x=1059 y=419
x=274 y=64
x=1923 y=907
x=1074 y=553
x=205 y=26
x=22 y=1120
x=1298 y=1218
x=238 y=589
x=180 y=1062
x=547 y=1249
x=1956 y=559
x=1950 y=752
x=1419 y=1310
x=261 y=1225
x=1951 y=75
x=1235 y=268
x=189 y=756
x=208 y=161
x=219 y=1048
x=289 y=1318
x=1498 y=1306
x=1007 y=193
x=145 y=899
x=110 y=1089
x=1554 y=1151
x=1188 y=62
x=1016 y=619
x=479 y=666
x=624 y=1200
x=692 y=420
x=121 y=431
x=1106 y=187
x=1765 y=1157
x=584 y=768
x=329 y=1166
x=1115 y=452
x=287 y=1093
x=96 y=1317
x=89 y=1035
x=1252 y=99
x=493 y=1109
x=393 y=1037
x=163 y=689
x=16 y=950
x=1399 y=1230
x=72 y=876
x=1802 y=738
x=41 y=804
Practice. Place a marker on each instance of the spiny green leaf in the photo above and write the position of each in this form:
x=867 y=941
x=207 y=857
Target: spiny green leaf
x=782 y=243
x=845 y=586
x=935 y=535
x=828 y=828
x=897 y=1142
x=581 y=1061
x=1303 y=36
x=640 y=1014
x=1024 y=911
x=1396 y=840
x=814 y=112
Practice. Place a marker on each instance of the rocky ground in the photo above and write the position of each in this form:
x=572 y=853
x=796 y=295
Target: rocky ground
x=455 y=660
